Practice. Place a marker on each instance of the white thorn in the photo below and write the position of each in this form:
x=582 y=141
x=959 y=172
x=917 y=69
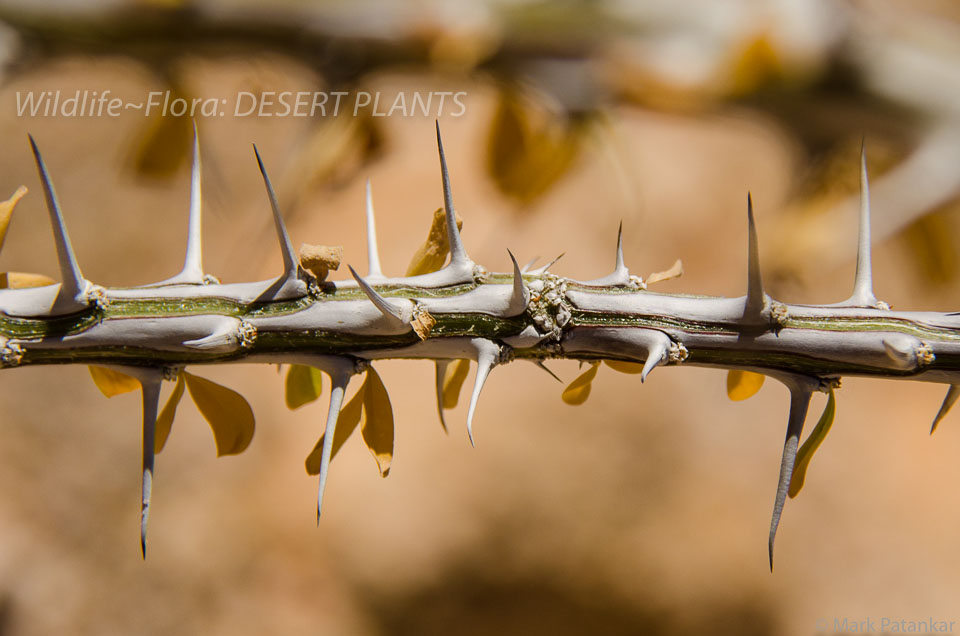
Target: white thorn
x=151 y=402
x=618 y=264
x=339 y=380
x=543 y=270
x=756 y=298
x=457 y=254
x=488 y=354
x=656 y=355
x=381 y=303
x=863 y=283
x=73 y=288
x=953 y=393
x=620 y=274
x=441 y=368
x=529 y=264
x=193 y=262
x=373 y=253
x=290 y=262
x=521 y=295
x=799 y=402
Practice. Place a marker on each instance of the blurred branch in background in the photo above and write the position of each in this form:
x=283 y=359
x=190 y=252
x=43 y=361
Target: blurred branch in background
x=831 y=73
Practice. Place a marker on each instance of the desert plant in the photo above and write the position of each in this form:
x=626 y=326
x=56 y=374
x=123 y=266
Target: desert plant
x=135 y=338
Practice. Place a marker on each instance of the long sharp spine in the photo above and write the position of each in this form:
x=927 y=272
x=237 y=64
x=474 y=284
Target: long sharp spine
x=193 y=262
x=458 y=255
x=799 y=402
x=756 y=298
x=488 y=355
x=73 y=285
x=151 y=402
x=291 y=264
x=373 y=252
x=441 y=370
x=953 y=393
x=379 y=301
x=863 y=283
x=339 y=380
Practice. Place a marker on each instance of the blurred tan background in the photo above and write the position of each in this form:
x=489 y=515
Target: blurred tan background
x=646 y=510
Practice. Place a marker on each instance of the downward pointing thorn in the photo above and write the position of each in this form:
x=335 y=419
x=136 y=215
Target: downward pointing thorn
x=656 y=355
x=953 y=393
x=488 y=355
x=339 y=380
x=441 y=370
x=151 y=401
x=799 y=402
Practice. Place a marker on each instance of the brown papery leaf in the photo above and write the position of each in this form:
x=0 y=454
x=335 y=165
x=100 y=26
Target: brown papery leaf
x=675 y=271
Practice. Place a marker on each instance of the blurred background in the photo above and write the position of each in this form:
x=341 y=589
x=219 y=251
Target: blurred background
x=645 y=510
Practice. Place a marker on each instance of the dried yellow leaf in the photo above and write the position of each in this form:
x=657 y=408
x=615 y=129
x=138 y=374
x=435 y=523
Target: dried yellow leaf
x=805 y=454
x=228 y=413
x=320 y=259
x=165 y=419
x=112 y=382
x=675 y=271
x=529 y=148
x=346 y=423
x=6 y=211
x=377 y=426
x=21 y=280
x=743 y=384
x=433 y=253
x=579 y=390
x=632 y=368
x=303 y=385
x=453 y=379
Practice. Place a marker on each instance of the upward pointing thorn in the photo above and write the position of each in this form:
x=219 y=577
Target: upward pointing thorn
x=799 y=402
x=488 y=354
x=381 y=303
x=373 y=253
x=619 y=266
x=457 y=254
x=863 y=284
x=193 y=263
x=521 y=295
x=73 y=286
x=756 y=298
x=290 y=262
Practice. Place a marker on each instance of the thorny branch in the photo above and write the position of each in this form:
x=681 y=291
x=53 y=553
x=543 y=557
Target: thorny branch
x=459 y=312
